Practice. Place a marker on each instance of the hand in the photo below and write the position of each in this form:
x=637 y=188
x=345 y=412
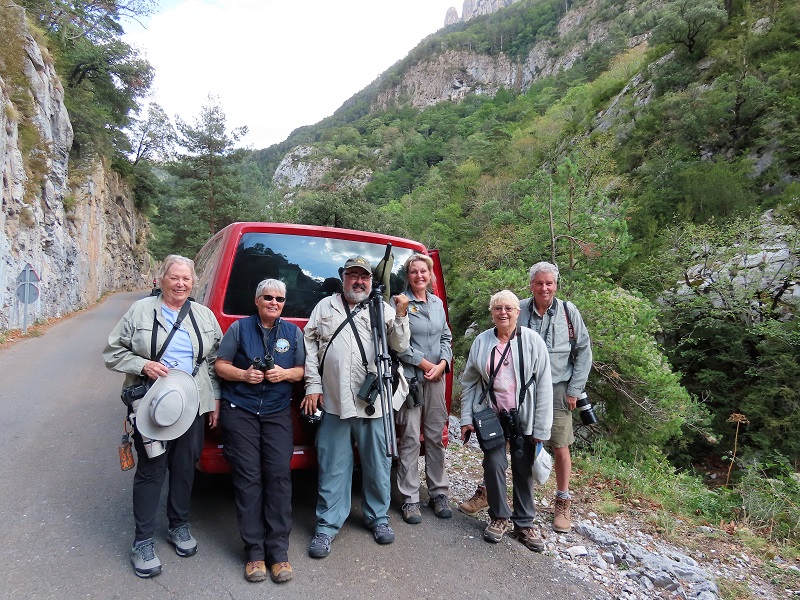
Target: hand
x=154 y=370
x=434 y=372
x=252 y=375
x=466 y=431
x=275 y=374
x=213 y=416
x=572 y=402
x=311 y=403
x=400 y=304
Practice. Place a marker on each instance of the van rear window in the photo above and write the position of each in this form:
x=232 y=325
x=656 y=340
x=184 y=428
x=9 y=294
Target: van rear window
x=308 y=265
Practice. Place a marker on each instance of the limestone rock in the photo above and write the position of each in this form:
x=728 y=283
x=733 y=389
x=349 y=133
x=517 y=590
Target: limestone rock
x=80 y=251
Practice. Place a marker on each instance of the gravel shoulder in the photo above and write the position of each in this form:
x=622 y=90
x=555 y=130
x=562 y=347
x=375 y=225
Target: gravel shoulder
x=634 y=557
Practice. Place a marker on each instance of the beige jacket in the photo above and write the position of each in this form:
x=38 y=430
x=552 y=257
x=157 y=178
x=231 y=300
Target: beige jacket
x=128 y=347
x=343 y=372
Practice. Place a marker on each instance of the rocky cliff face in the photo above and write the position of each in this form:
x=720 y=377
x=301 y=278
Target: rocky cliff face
x=80 y=233
x=453 y=74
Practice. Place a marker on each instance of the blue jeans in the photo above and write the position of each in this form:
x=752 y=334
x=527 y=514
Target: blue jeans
x=336 y=461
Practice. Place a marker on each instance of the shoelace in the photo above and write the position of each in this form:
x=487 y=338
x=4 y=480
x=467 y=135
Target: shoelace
x=147 y=551
x=182 y=533
x=561 y=508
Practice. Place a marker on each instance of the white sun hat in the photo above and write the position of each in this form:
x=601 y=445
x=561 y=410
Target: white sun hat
x=170 y=406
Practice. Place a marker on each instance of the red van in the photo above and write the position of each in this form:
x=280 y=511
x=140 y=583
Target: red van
x=307 y=259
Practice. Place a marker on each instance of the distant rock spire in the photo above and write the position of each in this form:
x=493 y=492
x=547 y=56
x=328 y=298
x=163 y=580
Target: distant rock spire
x=474 y=8
x=451 y=16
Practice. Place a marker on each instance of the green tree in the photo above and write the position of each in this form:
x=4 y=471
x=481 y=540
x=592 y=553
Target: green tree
x=152 y=138
x=104 y=77
x=689 y=23
x=208 y=163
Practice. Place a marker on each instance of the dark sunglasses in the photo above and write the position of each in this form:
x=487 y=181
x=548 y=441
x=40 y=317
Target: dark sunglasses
x=279 y=299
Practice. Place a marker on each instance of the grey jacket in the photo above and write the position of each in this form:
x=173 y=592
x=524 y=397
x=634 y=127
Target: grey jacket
x=555 y=332
x=128 y=347
x=536 y=412
x=430 y=335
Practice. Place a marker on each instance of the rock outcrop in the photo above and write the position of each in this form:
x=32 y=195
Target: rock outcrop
x=79 y=232
x=474 y=8
x=451 y=74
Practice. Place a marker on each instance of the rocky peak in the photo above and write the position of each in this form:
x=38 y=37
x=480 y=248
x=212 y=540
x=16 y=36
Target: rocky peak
x=474 y=8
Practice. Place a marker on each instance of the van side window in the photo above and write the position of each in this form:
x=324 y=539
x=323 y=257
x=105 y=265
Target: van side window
x=308 y=265
x=208 y=256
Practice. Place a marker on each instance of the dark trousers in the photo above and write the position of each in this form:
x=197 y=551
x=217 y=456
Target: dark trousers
x=495 y=463
x=259 y=450
x=179 y=460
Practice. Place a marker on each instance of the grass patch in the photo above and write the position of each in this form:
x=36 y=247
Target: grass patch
x=730 y=589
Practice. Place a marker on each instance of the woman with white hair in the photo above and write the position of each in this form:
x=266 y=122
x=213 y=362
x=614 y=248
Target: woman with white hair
x=508 y=371
x=259 y=360
x=151 y=339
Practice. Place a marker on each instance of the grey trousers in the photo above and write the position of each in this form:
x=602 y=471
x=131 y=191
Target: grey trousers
x=433 y=414
x=495 y=463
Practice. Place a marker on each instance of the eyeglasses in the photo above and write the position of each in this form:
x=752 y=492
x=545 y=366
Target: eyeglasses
x=278 y=299
x=358 y=276
x=507 y=309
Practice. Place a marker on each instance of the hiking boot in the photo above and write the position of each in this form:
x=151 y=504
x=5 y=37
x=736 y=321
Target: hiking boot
x=144 y=559
x=383 y=534
x=411 y=513
x=320 y=546
x=281 y=572
x=476 y=504
x=255 y=571
x=185 y=544
x=440 y=506
x=530 y=538
x=496 y=529
x=561 y=517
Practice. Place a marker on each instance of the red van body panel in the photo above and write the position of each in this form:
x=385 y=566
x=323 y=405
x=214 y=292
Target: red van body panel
x=233 y=261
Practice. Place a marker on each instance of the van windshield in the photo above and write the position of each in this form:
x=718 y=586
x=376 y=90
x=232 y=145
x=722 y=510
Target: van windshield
x=308 y=265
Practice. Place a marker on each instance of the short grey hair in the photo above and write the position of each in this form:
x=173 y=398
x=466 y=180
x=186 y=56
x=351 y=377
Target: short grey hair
x=544 y=267
x=271 y=284
x=504 y=296
x=169 y=262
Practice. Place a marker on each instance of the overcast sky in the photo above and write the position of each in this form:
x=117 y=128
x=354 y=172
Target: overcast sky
x=277 y=65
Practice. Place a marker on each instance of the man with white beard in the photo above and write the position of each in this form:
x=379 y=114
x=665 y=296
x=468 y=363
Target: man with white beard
x=339 y=357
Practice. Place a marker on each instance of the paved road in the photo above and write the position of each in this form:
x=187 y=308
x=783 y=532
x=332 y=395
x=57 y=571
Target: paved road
x=66 y=524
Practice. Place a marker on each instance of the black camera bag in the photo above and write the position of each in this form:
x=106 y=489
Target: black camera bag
x=488 y=429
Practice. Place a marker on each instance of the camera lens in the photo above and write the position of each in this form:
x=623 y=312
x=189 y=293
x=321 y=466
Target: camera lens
x=585 y=410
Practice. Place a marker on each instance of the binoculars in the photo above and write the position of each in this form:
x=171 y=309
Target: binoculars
x=263 y=365
x=509 y=420
x=414 y=397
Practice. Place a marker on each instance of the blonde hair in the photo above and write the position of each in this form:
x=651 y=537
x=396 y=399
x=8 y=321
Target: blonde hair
x=423 y=258
x=505 y=296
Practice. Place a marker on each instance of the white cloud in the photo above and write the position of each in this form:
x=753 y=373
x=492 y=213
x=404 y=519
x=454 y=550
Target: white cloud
x=277 y=66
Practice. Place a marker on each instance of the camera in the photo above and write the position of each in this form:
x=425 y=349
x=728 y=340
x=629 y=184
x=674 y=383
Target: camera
x=314 y=417
x=368 y=392
x=263 y=365
x=585 y=410
x=132 y=393
x=414 y=393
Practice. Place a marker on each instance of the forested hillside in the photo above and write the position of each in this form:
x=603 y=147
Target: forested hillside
x=651 y=149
